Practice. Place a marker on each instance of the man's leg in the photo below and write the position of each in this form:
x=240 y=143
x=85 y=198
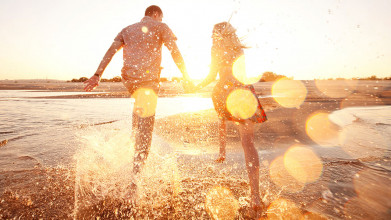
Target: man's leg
x=143 y=122
x=143 y=141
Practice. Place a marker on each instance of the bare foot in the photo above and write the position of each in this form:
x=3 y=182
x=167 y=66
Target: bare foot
x=131 y=194
x=220 y=159
x=256 y=211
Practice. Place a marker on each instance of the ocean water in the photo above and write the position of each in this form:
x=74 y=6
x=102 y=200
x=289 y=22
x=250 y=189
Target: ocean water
x=47 y=130
x=347 y=176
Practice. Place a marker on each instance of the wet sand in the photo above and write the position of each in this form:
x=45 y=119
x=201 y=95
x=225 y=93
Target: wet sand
x=37 y=192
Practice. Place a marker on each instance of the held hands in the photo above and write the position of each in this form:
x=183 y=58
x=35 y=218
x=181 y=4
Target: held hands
x=188 y=86
x=91 y=83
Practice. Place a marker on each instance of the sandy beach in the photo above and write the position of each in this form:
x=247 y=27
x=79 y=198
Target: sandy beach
x=39 y=192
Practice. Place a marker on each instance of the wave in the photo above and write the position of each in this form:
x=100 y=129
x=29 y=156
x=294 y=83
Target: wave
x=371 y=115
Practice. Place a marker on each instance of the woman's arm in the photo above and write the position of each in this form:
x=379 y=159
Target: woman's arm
x=214 y=69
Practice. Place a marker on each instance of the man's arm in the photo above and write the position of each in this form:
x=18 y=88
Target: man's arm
x=178 y=59
x=180 y=63
x=93 y=82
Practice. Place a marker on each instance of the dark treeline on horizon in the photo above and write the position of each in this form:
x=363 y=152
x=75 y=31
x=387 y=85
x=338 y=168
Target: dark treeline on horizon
x=266 y=77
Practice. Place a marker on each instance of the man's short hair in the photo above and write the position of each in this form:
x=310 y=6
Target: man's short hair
x=151 y=9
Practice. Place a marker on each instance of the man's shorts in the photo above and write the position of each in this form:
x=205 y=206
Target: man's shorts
x=145 y=95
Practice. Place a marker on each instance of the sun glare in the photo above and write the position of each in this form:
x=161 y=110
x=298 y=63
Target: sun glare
x=144 y=29
x=239 y=71
x=242 y=103
x=303 y=164
x=321 y=130
x=145 y=102
x=298 y=167
x=282 y=178
x=289 y=93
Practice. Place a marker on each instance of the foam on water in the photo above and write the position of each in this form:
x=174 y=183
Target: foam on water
x=370 y=115
x=365 y=131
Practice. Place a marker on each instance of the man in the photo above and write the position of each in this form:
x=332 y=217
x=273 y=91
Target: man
x=142 y=45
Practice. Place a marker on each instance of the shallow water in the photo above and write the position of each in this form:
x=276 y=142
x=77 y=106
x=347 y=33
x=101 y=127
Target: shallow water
x=72 y=156
x=47 y=129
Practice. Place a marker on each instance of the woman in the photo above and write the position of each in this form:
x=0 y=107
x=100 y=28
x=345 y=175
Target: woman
x=225 y=50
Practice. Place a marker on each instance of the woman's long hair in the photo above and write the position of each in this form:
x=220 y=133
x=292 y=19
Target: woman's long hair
x=225 y=38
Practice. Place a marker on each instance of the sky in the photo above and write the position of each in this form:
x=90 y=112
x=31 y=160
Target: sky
x=303 y=39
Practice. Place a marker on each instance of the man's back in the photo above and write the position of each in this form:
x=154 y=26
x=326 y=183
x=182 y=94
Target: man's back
x=142 y=45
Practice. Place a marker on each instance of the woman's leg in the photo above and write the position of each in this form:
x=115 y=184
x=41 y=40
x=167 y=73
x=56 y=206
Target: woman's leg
x=252 y=161
x=222 y=140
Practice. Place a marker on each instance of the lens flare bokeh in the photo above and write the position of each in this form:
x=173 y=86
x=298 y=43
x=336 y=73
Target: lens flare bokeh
x=298 y=167
x=282 y=178
x=242 y=103
x=221 y=204
x=303 y=164
x=239 y=72
x=145 y=102
x=321 y=130
x=289 y=93
x=144 y=29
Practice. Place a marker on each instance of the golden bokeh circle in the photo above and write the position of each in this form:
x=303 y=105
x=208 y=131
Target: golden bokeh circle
x=321 y=130
x=282 y=178
x=303 y=164
x=239 y=72
x=289 y=93
x=144 y=29
x=145 y=102
x=242 y=103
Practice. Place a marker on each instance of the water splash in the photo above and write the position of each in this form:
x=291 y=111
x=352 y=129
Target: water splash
x=104 y=177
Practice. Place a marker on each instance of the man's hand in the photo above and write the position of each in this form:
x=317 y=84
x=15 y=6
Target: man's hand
x=91 y=83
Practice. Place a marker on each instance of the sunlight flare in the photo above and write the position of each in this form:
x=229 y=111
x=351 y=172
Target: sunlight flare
x=242 y=103
x=303 y=164
x=282 y=178
x=289 y=93
x=145 y=102
x=321 y=130
x=239 y=72
x=144 y=29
